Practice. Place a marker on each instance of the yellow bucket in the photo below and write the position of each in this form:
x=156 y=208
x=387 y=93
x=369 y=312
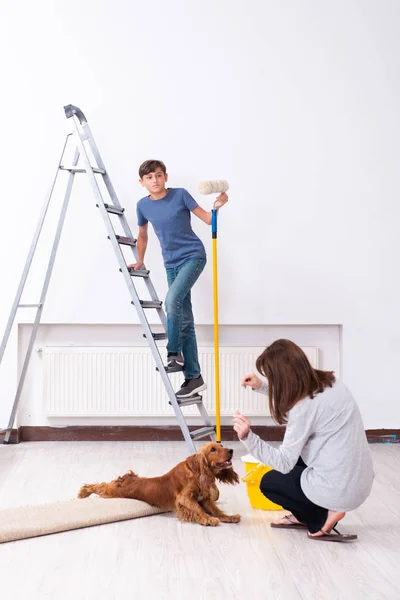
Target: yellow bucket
x=254 y=471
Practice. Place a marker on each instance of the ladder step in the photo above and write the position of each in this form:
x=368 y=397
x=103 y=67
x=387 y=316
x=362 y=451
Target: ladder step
x=157 y=336
x=176 y=369
x=141 y=273
x=202 y=432
x=125 y=240
x=81 y=170
x=150 y=303
x=113 y=209
x=189 y=401
x=29 y=305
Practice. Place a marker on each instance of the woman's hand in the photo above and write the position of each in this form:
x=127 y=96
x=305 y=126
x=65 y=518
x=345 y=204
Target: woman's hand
x=136 y=266
x=241 y=425
x=221 y=200
x=251 y=380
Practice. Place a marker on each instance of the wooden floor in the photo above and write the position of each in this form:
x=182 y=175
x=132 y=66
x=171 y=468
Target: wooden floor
x=158 y=557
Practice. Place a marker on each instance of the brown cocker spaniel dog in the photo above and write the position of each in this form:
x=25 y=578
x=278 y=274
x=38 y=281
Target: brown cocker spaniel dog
x=189 y=488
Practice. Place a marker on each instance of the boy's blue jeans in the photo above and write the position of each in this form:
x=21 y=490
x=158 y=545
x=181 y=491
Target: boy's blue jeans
x=180 y=321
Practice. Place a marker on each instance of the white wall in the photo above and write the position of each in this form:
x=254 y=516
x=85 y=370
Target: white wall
x=294 y=103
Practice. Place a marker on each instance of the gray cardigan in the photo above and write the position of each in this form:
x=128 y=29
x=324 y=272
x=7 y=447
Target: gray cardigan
x=328 y=433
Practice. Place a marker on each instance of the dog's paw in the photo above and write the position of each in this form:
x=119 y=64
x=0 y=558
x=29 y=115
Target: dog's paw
x=230 y=519
x=234 y=518
x=212 y=521
x=84 y=491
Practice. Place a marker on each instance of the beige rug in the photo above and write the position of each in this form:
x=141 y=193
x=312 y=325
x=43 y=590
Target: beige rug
x=31 y=521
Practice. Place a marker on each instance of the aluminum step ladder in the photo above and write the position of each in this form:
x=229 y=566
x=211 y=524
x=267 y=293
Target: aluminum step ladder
x=85 y=148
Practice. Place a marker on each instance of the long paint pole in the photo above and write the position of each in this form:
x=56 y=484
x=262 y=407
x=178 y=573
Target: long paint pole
x=216 y=339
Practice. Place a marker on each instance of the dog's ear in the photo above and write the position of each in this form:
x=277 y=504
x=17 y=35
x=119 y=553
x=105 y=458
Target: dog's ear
x=227 y=476
x=199 y=465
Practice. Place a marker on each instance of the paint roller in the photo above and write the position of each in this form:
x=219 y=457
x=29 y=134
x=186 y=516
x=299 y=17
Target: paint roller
x=215 y=187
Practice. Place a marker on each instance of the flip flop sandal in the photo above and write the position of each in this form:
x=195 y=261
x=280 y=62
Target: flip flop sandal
x=291 y=525
x=334 y=537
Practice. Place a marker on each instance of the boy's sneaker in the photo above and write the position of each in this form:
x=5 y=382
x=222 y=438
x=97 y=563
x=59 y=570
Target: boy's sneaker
x=175 y=361
x=190 y=387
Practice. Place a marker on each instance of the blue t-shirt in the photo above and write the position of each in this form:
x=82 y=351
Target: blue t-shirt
x=170 y=218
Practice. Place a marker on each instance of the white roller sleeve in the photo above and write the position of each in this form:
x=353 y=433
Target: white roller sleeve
x=213 y=187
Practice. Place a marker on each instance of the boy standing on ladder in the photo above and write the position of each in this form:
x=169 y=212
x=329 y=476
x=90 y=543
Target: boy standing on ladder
x=168 y=210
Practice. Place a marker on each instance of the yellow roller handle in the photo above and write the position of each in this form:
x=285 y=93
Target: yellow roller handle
x=214 y=213
x=216 y=342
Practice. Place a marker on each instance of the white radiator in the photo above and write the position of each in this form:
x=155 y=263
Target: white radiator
x=122 y=381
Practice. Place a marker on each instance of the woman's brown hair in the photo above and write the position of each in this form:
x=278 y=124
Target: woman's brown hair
x=290 y=377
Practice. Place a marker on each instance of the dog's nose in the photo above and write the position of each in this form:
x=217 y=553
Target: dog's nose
x=230 y=452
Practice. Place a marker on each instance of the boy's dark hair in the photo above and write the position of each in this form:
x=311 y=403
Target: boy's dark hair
x=290 y=377
x=149 y=166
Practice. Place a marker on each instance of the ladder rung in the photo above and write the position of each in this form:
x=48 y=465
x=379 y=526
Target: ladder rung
x=125 y=240
x=81 y=170
x=113 y=209
x=29 y=305
x=150 y=303
x=157 y=336
x=189 y=401
x=176 y=369
x=202 y=432
x=140 y=273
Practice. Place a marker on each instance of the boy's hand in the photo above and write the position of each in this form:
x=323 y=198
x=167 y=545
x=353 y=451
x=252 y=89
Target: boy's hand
x=221 y=200
x=136 y=266
x=241 y=425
